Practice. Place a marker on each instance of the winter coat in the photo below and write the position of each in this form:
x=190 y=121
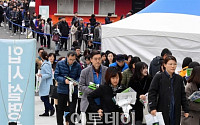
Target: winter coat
x=107 y=20
x=13 y=15
x=85 y=78
x=115 y=64
x=141 y=87
x=97 y=36
x=79 y=35
x=48 y=28
x=64 y=28
x=73 y=31
x=155 y=65
x=62 y=70
x=92 y=21
x=194 y=115
x=126 y=76
x=106 y=94
x=46 y=79
x=159 y=97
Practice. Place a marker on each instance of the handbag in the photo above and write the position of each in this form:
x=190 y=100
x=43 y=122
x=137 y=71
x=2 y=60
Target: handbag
x=55 y=38
x=53 y=92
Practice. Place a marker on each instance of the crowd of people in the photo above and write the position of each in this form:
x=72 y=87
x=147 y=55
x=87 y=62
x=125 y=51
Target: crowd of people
x=87 y=84
x=101 y=75
x=62 y=32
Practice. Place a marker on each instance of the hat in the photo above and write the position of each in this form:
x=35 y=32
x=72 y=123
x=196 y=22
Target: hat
x=120 y=57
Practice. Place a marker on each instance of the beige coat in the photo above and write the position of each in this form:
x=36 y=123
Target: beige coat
x=73 y=31
x=194 y=114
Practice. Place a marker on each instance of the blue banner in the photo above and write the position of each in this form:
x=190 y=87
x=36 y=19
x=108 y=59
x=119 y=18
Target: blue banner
x=17 y=81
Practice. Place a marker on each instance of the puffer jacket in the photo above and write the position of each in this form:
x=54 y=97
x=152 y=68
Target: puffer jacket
x=62 y=70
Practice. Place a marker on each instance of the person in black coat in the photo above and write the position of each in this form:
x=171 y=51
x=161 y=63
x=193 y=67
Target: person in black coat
x=106 y=93
x=167 y=94
x=140 y=82
x=107 y=19
x=93 y=22
x=64 y=30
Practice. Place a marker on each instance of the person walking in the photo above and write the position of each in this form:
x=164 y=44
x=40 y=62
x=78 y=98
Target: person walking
x=167 y=94
x=192 y=86
x=67 y=68
x=95 y=74
x=46 y=81
x=106 y=93
x=140 y=82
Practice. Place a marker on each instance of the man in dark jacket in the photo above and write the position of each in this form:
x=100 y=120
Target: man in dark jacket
x=157 y=61
x=75 y=18
x=13 y=15
x=67 y=68
x=107 y=19
x=64 y=30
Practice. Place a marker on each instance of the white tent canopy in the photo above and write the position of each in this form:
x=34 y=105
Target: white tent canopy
x=145 y=34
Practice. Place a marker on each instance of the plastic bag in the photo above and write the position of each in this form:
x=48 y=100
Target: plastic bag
x=154 y=120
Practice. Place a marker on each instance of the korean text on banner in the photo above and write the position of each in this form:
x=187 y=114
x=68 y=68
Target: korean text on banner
x=17 y=81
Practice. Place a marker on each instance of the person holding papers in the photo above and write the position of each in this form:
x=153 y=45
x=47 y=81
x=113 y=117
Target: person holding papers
x=167 y=94
x=140 y=82
x=192 y=86
x=64 y=69
x=106 y=93
x=95 y=75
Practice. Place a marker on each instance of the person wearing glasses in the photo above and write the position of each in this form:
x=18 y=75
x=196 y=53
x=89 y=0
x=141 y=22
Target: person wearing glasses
x=67 y=68
x=95 y=74
x=167 y=94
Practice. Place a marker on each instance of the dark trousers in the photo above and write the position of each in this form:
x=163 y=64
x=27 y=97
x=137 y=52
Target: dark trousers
x=48 y=41
x=63 y=100
x=64 y=41
x=10 y=25
x=38 y=35
x=42 y=40
x=1 y=18
x=33 y=33
x=20 y=23
x=47 y=105
x=14 y=27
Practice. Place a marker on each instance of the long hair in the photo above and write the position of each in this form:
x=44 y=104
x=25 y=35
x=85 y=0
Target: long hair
x=194 y=78
x=139 y=66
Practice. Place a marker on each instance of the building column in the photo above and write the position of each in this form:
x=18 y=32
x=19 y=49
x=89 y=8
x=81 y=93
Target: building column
x=37 y=4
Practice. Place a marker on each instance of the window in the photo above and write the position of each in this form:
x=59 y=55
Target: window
x=65 y=6
x=86 y=6
x=106 y=6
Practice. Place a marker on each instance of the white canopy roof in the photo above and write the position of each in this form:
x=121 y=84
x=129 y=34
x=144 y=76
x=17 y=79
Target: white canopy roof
x=146 y=33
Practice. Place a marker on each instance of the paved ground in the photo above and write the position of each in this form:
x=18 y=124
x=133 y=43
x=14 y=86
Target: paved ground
x=39 y=108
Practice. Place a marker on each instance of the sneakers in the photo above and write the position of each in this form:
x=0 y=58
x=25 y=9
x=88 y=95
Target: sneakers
x=52 y=112
x=42 y=46
x=45 y=45
x=44 y=114
x=15 y=34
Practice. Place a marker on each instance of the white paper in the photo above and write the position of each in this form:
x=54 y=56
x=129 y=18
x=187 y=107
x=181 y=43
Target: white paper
x=150 y=119
x=71 y=90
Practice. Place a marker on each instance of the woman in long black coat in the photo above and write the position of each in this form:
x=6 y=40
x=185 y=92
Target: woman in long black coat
x=140 y=82
x=167 y=94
